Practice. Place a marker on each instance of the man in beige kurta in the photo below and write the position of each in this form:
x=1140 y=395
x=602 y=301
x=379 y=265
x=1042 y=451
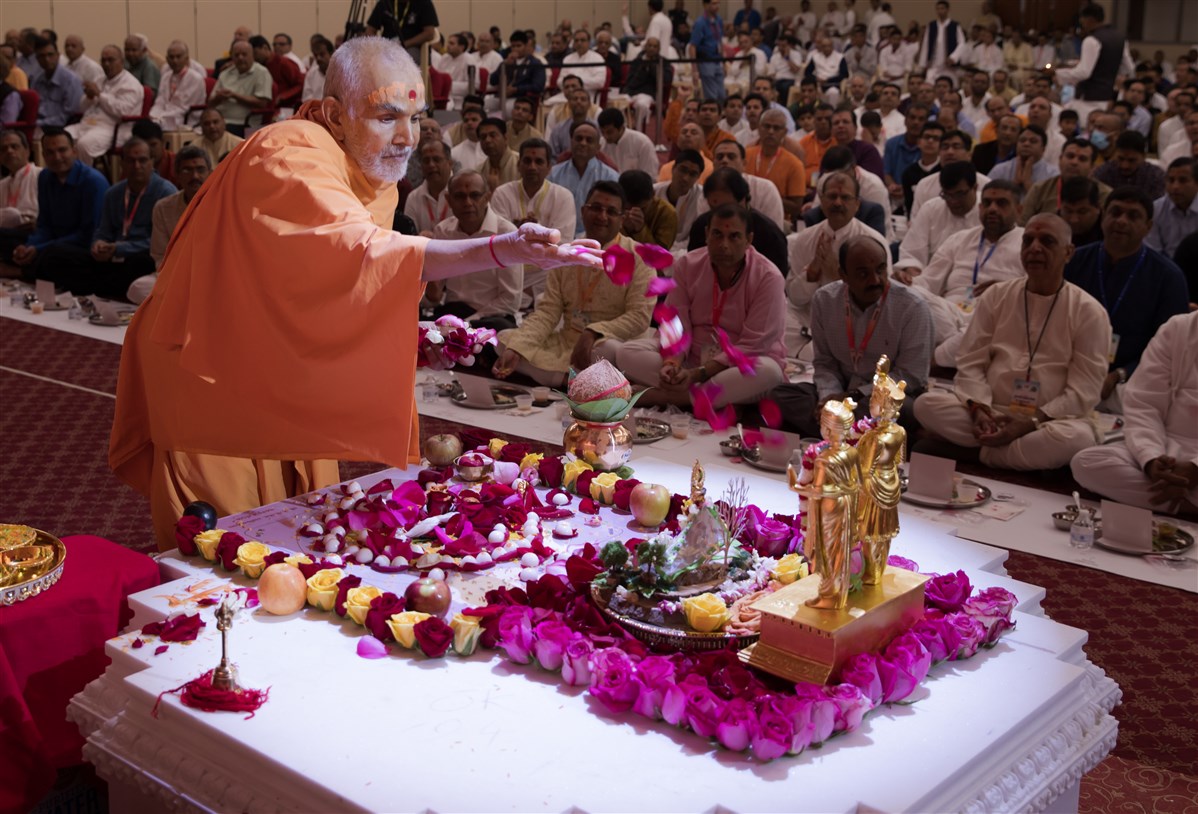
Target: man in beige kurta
x=1041 y=330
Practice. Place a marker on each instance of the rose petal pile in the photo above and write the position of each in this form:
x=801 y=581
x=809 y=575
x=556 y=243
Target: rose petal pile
x=450 y=341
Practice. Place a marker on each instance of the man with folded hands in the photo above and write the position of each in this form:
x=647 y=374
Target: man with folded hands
x=731 y=302
x=1030 y=366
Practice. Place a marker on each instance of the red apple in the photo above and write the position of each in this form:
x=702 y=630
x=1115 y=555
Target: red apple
x=282 y=589
x=649 y=504
x=440 y=450
x=428 y=595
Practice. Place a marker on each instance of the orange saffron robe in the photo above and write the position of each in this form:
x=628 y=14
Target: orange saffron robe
x=282 y=328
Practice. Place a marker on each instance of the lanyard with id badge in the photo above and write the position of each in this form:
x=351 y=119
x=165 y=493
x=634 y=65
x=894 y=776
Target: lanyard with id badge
x=579 y=315
x=1025 y=396
x=979 y=263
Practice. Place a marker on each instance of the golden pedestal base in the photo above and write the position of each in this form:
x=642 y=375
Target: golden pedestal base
x=799 y=643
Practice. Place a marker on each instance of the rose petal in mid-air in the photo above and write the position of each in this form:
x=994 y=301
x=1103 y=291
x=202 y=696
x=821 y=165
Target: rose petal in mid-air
x=747 y=365
x=619 y=264
x=660 y=285
x=771 y=413
x=674 y=340
x=703 y=398
x=655 y=256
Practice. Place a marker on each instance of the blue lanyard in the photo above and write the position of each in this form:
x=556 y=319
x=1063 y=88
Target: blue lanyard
x=978 y=262
x=1126 y=285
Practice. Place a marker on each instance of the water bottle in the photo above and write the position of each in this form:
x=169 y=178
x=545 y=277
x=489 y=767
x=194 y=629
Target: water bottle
x=1081 y=533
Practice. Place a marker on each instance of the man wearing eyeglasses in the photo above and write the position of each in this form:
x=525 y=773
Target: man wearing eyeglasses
x=595 y=315
x=955 y=210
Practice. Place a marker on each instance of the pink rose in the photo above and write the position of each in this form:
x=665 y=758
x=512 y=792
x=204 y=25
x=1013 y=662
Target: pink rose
x=938 y=636
x=993 y=608
x=614 y=679
x=904 y=664
x=861 y=671
x=947 y=592
x=820 y=712
x=703 y=710
x=576 y=662
x=515 y=633
x=851 y=706
x=736 y=725
x=673 y=702
x=902 y=562
x=550 y=645
x=655 y=674
x=773 y=733
x=971 y=633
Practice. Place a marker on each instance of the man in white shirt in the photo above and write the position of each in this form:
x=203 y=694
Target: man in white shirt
x=684 y=193
x=894 y=123
x=1156 y=466
x=833 y=20
x=628 y=149
x=427 y=205
x=828 y=67
x=968 y=263
x=814 y=251
x=785 y=64
x=585 y=63
x=940 y=39
x=955 y=210
x=18 y=197
x=179 y=89
x=79 y=63
x=876 y=20
x=975 y=94
x=456 y=61
x=894 y=59
x=468 y=152
x=487 y=57
x=322 y=52
x=533 y=199
x=1095 y=78
x=1183 y=143
x=660 y=28
x=105 y=104
x=733 y=120
x=1180 y=102
x=489 y=298
x=954 y=146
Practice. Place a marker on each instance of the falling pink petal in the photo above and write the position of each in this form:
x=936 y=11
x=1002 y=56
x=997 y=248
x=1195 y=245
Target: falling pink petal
x=371 y=648
x=703 y=397
x=745 y=364
x=655 y=256
x=674 y=340
x=660 y=285
x=619 y=264
x=771 y=413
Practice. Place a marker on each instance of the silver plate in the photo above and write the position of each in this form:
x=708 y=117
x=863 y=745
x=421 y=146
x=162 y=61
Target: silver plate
x=751 y=457
x=1182 y=541
x=654 y=431
x=508 y=391
x=981 y=498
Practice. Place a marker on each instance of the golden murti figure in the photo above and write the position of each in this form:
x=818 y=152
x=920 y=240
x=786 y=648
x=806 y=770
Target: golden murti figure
x=832 y=507
x=880 y=452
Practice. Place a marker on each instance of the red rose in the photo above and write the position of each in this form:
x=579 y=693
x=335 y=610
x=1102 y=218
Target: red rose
x=226 y=549
x=623 y=492
x=382 y=607
x=582 y=486
x=581 y=571
x=433 y=637
x=514 y=453
x=550 y=471
x=343 y=587
x=185 y=531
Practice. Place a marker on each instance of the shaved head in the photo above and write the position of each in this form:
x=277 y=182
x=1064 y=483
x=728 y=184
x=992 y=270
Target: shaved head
x=367 y=69
x=1054 y=222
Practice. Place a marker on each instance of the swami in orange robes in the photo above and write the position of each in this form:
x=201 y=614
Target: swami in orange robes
x=280 y=337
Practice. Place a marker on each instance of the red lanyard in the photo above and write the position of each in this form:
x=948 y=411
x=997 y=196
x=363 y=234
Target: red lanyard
x=432 y=218
x=770 y=168
x=130 y=214
x=718 y=297
x=855 y=354
x=16 y=186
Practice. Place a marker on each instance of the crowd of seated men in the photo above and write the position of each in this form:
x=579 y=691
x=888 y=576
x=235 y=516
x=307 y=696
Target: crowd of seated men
x=833 y=190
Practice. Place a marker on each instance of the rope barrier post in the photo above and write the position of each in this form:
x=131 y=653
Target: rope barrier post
x=471 y=71
x=502 y=90
x=661 y=78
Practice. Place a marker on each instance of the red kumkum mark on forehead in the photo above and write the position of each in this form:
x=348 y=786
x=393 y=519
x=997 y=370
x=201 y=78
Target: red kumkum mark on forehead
x=412 y=95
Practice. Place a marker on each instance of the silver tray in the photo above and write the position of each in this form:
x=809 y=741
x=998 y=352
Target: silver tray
x=753 y=459
x=506 y=391
x=18 y=585
x=981 y=497
x=654 y=429
x=1182 y=541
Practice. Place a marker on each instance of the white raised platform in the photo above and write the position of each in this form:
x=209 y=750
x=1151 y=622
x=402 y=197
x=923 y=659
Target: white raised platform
x=1013 y=728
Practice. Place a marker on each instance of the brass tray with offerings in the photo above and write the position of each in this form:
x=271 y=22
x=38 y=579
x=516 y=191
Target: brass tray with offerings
x=670 y=633
x=31 y=561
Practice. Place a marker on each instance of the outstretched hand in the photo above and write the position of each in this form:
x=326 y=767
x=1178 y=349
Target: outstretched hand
x=541 y=246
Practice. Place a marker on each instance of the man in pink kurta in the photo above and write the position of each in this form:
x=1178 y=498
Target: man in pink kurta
x=726 y=287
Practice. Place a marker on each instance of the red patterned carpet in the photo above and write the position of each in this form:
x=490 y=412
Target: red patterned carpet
x=54 y=475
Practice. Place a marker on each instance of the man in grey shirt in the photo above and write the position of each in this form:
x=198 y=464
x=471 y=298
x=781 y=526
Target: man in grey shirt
x=853 y=322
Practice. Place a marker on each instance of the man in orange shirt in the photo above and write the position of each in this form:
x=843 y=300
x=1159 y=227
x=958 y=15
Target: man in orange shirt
x=709 y=120
x=817 y=142
x=767 y=159
x=282 y=283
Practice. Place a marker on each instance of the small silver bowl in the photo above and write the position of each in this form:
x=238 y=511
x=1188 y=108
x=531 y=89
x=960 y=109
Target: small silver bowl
x=731 y=447
x=1063 y=520
x=473 y=474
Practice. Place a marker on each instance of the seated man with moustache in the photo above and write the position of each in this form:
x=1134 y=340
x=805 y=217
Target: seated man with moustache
x=1030 y=367
x=813 y=252
x=489 y=298
x=1129 y=166
x=762 y=192
x=954 y=146
x=968 y=263
x=1139 y=287
x=427 y=205
x=583 y=316
x=726 y=286
x=1156 y=465
x=1028 y=167
x=120 y=248
x=874 y=209
x=500 y=166
x=648 y=219
x=191 y=170
x=1081 y=207
x=954 y=211
x=684 y=193
x=728 y=186
x=854 y=321
x=583 y=169
x=1076 y=161
x=1175 y=214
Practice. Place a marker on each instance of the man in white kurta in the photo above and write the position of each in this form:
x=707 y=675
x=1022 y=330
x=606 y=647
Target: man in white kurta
x=954 y=211
x=1159 y=453
x=586 y=64
x=534 y=199
x=18 y=189
x=583 y=316
x=104 y=105
x=969 y=261
x=489 y=298
x=179 y=89
x=456 y=61
x=628 y=149
x=1030 y=367
x=814 y=255
x=79 y=63
x=763 y=195
x=427 y=205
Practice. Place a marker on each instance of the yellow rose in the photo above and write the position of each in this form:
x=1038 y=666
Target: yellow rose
x=207 y=541
x=298 y=560
x=494 y=446
x=603 y=487
x=572 y=470
x=322 y=588
x=530 y=461
x=705 y=612
x=466 y=632
x=790 y=568
x=357 y=602
x=402 y=626
x=251 y=558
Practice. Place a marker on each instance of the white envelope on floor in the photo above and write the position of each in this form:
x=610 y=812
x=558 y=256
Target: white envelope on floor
x=1130 y=526
x=930 y=476
x=477 y=390
x=109 y=310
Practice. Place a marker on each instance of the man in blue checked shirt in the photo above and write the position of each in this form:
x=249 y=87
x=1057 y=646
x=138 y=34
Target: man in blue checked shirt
x=705 y=43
